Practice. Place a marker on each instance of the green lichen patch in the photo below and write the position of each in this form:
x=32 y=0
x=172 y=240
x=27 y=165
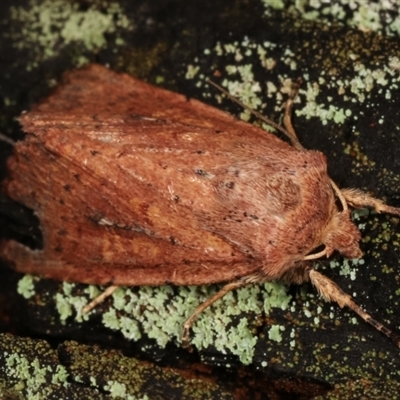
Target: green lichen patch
x=159 y=313
x=69 y=304
x=47 y=27
x=321 y=82
x=26 y=286
x=31 y=369
x=380 y=16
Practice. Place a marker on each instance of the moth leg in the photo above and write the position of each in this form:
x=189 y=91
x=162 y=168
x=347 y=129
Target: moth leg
x=331 y=292
x=296 y=275
x=99 y=299
x=221 y=293
x=358 y=199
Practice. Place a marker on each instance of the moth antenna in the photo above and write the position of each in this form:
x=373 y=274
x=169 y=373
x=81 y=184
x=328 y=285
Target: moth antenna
x=254 y=112
x=99 y=299
x=358 y=199
x=331 y=292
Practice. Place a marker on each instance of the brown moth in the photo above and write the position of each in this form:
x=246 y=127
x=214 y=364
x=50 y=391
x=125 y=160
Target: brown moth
x=135 y=185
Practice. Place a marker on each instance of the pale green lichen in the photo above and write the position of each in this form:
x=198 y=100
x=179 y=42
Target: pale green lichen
x=46 y=27
x=110 y=319
x=31 y=376
x=211 y=327
x=60 y=376
x=241 y=341
x=191 y=71
x=118 y=390
x=383 y=17
x=26 y=286
x=92 y=291
x=347 y=268
x=276 y=296
x=159 y=313
x=68 y=304
x=275 y=4
x=274 y=333
x=245 y=89
x=359 y=83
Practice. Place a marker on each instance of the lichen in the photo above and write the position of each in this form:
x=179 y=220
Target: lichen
x=26 y=286
x=68 y=304
x=360 y=82
x=382 y=17
x=274 y=333
x=117 y=390
x=31 y=376
x=159 y=313
x=46 y=27
x=276 y=296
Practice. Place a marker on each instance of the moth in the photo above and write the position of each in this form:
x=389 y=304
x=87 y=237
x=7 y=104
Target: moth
x=136 y=185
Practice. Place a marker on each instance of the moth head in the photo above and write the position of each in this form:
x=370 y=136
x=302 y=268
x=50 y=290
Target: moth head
x=342 y=235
